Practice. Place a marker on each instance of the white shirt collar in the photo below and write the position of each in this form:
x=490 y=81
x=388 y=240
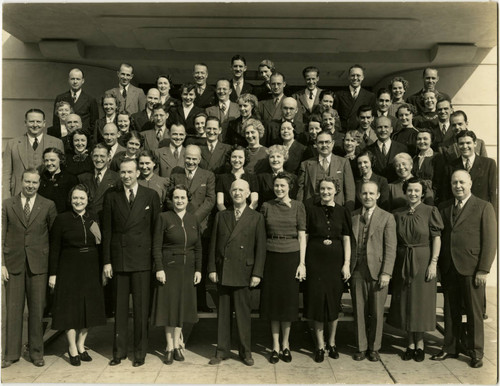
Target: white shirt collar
x=387 y=144
x=328 y=158
x=31 y=202
x=213 y=144
x=78 y=93
x=464 y=201
x=194 y=171
x=172 y=149
x=242 y=209
x=102 y=171
x=370 y=211
x=134 y=189
x=471 y=159
x=352 y=89
x=110 y=119
x=32 y=139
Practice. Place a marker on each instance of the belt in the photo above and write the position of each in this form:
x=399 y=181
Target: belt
x=410 y=267
x=284 y=237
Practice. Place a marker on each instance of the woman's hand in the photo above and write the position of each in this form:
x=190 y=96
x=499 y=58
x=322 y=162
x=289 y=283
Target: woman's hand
x=301 y=272
x=5 y=273
x=346 y=272
x=431 y=271
x=161 y=276
x=52 y=281
x=197 y=277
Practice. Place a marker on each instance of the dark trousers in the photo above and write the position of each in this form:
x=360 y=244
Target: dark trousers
x=21 y=286
x=368 y=301
x=136 y=283
x=201 y=289
x=461 y=293
x=237 y=298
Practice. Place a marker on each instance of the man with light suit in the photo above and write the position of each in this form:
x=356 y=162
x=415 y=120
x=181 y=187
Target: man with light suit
x=130 y=98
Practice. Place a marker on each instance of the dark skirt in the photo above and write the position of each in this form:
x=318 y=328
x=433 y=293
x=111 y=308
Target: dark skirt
x=78 y=294
x=279 y=298
x=174 y=303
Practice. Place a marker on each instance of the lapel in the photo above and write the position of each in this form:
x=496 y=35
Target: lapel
x=195 y=181
x=106 y=183
x=18 y=209
x=240 y=225
x=137 y=207
x=303 y=99
x=37 y=207
x=477 y=168
x=373 y=221
x=334 y=166
x=234 y=110
x=123 y=207
x=168 y=157
x=277 y=110
x=467 y=210
x=22 y=148
x=311 y=166
x=355 y=223
x=215 y=156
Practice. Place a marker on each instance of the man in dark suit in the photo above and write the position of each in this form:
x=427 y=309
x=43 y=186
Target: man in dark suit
x=186 y=111
x=224 y=109
x=270 y=109
x=158 y=134
x=290 y=113
x=204 y=93
x=263 y=91
x=238 y=84
x=215 y=155
x=130 y=98
x=26 y=221
x=129 y=214
x=143 y=119
x=25 y=152
x=365 y=120
x=482 y=170
x=384 y=149
x=372 y=263
x=430 y=78
x=82 y=103
x=327 y=164
x=347 y=102
x=468 y=247
x=172 y=156
x=444 y=132
x=383 y=102
x=236 y=264
x=308 y=98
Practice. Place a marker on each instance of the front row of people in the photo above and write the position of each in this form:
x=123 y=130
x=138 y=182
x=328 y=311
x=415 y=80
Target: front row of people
x=287 y=242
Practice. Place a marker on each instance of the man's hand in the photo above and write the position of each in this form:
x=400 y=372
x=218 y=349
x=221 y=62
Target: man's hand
x=108 y=271
x=383 y=280
x=197 y=278
x=481 y=278
x=5 y=273
x=254 y=281
x=161 y=276
x=52 y=281
x=213 y=277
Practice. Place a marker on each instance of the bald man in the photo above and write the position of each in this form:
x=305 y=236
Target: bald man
x=289 y=112
x=110 y=135
x=143 y=119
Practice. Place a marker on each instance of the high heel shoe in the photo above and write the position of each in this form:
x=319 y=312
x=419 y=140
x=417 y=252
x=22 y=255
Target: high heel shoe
x=178 y=355
x=74 y=361
x=84 y=356
x=169 y=357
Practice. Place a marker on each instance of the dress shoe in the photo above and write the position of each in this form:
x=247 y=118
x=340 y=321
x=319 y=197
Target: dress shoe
x=373 y=356
x=359 y=356
x=169 y=357
x=215 y=360
x=178 y=355
x=287 y=355
x=138 y=362
x=116 y=361
x=476 y=363
x=39 y=362
x=6 y=363
x=419 y=355
x=332 y=352
x=274 y=358
x=485 y=316
x=248 y=361
x=205 y=309
x=441 y=356
x=319 y=356
x=408 y=354
x=74 y=360
x=85 y=357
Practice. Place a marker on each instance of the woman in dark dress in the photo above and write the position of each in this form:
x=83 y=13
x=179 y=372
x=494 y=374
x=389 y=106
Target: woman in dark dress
x=134 y=143
x=75 y=274
x=256 y=154
x=200 y=137
x=56 y=182
x=295 y=149
x=328 y=256
x=125 y=125
x=428 y=118
x=408 y=133
x=164 y=84
x=235 y=134
x=237 y=160
x=285 y=264
x=78 y=160
x=177 y=256
x=111 y=106
x=413 y=303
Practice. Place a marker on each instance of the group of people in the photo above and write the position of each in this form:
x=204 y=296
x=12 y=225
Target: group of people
x=249 y=188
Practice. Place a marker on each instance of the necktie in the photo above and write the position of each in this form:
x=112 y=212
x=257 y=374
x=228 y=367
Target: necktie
x=310 y=95
x=324 y=164
x=223 y=108
x=384 y=149
x=468 y=166
x=124 y=93
x=131 y=197
x=443 y=128
x=354 y=94
x=276 y=101
x=211 y=147
x=98 y=178
x=457 y=209
x=365 y=138
x=237 y=214
x=27 y=209
x=366 y=217
x=176 y=153
x=199 y=90
x=74 y=97
x=190 y=176
x=35 y=144
x=158 y=135
x=237 y=88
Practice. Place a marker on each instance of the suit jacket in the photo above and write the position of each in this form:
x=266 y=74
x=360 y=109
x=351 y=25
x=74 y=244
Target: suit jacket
x=16 y=160
x=151 y=140
x=109 y=180
x=416 y=99
x=127 y=233
x=202 y=189
x=449 y=149
x=340 y=169
x=383 y=165
x=208 y=98
x=272 y=134
x=218 y=160
x=381 y=243
x=136 y=99
x=26 y=241
x=177 y=115
x=347 y=107
x=246 y=89
x=302 y=99
x=141 y=120
x=167 y=161
x=238 y=249
x=372 y=137
x=86 y=107
x=470 y=241
x=295 y=157
x=232 y=114
x=262 y=92
x=383 y=188
x=98 y=126
x=235 y=134
x=159 y=184
x=267 y=111
x=484 y=178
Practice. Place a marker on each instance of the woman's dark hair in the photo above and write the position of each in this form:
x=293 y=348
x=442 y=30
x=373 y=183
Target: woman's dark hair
x=333 y=180
x=81 y=187
x=131 y=126
x=148 y=153
x=415 y=180
x=294 y=128
x=173 y=188
x=286 y=176
x=238 y=147
x=60 y=155
x=427 y=130
x=366 y=153
x=133 y=134
x=77 y=132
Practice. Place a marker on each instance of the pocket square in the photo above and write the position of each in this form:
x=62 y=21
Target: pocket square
x=147 y=208
x=339 y=171
x=203 y=185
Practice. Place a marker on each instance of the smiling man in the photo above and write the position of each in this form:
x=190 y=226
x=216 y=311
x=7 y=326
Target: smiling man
x=238 y=84
x=430 y=79
x=271 y=109
x=204 y=93
x=25 y=152
x=214 y=156
x=131 y=98
x=308 y=98
x=143 y=119
x=224 y=109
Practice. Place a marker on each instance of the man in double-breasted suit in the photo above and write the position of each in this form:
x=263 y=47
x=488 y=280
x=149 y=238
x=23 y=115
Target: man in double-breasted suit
x=225 y=109
x=26 y=221
x=129 y=214
x=347 y=102
x=26 y=151
x=326 y=164
x=372 y=263
x=468 y=246
x=215 y=155
x=82 y=103
x=158 y=132
x=236 y=263
x=172 y=156
x=131 y=98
